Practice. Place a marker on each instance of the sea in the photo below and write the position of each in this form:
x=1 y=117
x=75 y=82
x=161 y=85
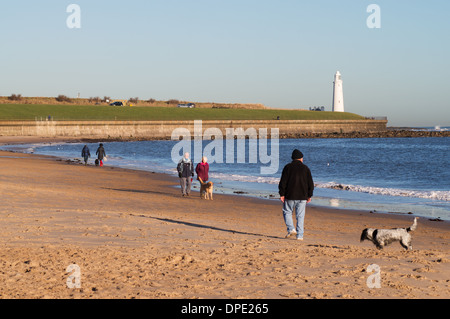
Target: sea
x=382 y=175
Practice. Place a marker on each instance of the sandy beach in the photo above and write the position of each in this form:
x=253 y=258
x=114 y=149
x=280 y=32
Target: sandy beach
x=133 y=236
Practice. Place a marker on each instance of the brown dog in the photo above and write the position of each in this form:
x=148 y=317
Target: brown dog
x=206 y=189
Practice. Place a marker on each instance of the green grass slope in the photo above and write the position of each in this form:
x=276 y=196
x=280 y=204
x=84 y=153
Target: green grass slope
x=98 y=113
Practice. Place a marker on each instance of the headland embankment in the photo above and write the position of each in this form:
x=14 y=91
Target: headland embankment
x=130 y=130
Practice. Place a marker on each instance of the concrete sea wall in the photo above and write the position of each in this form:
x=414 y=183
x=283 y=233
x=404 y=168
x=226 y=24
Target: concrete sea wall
x=164 y=129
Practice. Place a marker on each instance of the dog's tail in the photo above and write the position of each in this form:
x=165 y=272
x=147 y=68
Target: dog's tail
x=363 y=235
x=413 y=226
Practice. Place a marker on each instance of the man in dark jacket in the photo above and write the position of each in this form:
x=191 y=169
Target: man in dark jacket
x=296 y=189
x=185 y=170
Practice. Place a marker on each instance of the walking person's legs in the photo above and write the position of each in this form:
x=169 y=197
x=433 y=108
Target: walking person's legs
x=183 y=182
x=188 y=186
x=288 y=207
x=300 y=208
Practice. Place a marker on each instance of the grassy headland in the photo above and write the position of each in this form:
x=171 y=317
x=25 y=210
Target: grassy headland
x=147 y=113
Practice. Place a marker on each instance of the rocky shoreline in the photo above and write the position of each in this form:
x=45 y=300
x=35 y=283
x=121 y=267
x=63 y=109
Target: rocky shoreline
x=385 y=134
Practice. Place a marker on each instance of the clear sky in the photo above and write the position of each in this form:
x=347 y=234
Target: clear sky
x=280 y=53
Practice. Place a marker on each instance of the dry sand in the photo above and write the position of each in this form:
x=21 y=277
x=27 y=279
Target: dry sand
x=134 y=236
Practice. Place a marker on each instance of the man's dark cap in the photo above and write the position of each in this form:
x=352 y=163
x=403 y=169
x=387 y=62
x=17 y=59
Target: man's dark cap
x=296 y=154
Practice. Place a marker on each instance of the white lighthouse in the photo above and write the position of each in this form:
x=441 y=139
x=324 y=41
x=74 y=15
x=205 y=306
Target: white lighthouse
x=338 y=93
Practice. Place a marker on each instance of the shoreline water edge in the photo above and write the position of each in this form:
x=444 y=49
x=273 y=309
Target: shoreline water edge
x=328 y=202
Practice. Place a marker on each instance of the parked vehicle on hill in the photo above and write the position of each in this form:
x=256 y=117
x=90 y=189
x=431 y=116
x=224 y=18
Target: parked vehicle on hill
x=187 y=105
x=317 y=108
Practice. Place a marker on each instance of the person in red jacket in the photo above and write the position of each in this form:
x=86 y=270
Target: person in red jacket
x=202 y=170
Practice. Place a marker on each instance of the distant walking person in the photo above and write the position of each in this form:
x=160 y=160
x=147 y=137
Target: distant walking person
x=185 y=170
x=296 y=189
x=101 y=154
x=85 y=154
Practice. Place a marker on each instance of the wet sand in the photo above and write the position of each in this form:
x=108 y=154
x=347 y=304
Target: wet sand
x=133 y=236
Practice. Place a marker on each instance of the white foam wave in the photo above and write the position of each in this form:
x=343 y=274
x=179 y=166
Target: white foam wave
x=245 y=178
x=435 y=195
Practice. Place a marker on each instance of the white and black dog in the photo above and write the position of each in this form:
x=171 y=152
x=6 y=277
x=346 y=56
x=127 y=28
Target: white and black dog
x=383 y=237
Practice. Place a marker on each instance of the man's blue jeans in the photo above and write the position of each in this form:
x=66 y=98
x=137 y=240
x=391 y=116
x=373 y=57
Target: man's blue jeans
x=288 y=209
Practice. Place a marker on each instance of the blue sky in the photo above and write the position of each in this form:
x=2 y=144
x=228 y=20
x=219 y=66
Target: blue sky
x=283 y=53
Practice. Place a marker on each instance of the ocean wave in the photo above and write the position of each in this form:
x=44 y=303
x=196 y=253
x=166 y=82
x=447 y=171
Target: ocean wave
x=245 y=178
x=435 y=195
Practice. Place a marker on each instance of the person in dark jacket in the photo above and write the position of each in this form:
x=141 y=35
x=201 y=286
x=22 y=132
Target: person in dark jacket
x=101 y=154
x=296 y=189
x=85 y=154
x=185 y=170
